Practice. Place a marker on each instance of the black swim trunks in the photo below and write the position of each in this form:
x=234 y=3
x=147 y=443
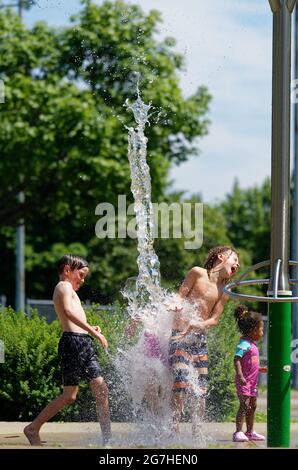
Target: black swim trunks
x=77 y=357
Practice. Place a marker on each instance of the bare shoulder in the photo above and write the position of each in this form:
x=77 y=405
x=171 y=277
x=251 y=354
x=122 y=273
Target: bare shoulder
x=197 y=272
x=62 y=288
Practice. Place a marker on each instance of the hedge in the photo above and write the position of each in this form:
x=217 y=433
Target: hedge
x=30 y=375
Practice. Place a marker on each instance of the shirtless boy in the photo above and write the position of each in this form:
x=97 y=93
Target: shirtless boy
x=77 y=357
x=203 y=289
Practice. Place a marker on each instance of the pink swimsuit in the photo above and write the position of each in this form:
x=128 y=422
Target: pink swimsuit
x=248 y=352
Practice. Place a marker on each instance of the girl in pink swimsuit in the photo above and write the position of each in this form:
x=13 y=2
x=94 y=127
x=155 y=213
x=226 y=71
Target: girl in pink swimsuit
x=247 y=369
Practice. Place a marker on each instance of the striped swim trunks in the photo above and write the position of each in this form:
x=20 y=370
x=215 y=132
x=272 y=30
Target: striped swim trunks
x=188 y=358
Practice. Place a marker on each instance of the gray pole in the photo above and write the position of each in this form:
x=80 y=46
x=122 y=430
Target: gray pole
x=295 y=212
x=20 y=243
x=280 y=160
x=279 y=318
x=20 y=261
x=20 y=8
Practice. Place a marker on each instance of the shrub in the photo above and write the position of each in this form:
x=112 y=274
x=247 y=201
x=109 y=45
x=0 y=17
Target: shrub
x=30 y=375
x=29 y=378
x=222 y=340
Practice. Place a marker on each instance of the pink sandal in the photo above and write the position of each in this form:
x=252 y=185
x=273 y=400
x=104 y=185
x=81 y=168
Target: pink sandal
x=254 y=436
x=240 y=437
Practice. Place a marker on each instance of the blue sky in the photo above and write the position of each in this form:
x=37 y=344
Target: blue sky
x=227 y=47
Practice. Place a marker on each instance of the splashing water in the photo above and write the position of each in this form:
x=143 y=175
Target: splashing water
x=143 y=368
x=148 y=280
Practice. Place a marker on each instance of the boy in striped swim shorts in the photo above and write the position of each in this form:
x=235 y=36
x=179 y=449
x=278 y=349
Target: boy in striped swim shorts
x=199 y=307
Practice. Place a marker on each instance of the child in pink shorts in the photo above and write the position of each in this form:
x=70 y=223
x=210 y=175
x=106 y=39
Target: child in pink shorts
x=156 y=371
x=246 y=362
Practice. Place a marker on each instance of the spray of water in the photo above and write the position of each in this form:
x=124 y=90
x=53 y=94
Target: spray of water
x=143 y=368
x=148 y=280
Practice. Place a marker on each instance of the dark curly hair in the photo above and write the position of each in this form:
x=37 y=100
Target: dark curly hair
x=213 y=256
x=246 y=320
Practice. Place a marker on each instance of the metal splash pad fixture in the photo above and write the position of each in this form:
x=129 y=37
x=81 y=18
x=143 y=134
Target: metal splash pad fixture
x=279 y=294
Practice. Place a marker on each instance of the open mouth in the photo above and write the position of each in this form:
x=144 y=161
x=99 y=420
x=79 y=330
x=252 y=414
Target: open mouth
x=233 y=270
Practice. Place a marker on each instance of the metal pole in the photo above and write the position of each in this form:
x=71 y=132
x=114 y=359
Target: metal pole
x=279 y=324
x=294 y=230
x=20 y=243
x=20 y=8
x=20 y=262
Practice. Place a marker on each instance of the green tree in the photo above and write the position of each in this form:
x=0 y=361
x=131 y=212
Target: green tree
x=62 y=135
x=247 y=215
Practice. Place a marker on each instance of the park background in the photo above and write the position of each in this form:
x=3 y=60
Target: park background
x=64 y=146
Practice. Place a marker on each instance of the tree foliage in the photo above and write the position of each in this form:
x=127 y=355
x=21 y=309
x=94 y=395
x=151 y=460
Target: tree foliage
x=30 y=377
x=62 y=135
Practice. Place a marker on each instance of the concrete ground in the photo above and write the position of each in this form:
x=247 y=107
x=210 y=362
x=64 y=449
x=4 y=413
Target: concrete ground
x=127 y=435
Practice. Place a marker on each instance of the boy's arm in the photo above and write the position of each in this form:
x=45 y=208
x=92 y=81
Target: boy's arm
x=216 y=312
x=189 y=281
x=238 y=370
x=65 y=294
x=214 y=318
x=185 y=289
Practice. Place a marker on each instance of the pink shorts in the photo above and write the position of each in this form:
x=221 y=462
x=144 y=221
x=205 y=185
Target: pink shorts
x=153 y=349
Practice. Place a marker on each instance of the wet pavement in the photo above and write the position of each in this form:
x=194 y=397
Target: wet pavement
x=128 y=435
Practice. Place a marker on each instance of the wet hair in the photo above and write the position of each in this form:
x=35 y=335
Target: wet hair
x=213 y=256
x=247 y=320
x=73 y=261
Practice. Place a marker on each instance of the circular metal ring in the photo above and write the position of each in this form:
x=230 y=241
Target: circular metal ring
x=271 y=298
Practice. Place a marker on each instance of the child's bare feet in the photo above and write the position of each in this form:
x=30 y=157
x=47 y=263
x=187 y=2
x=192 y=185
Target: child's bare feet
x=32 y=435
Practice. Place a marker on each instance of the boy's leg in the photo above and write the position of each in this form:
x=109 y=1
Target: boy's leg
x=179 y=360
x=177 y=405
x=100 y=392
x=152 y=396
x=32 y=430
x=199 y=374
x=198 y=406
